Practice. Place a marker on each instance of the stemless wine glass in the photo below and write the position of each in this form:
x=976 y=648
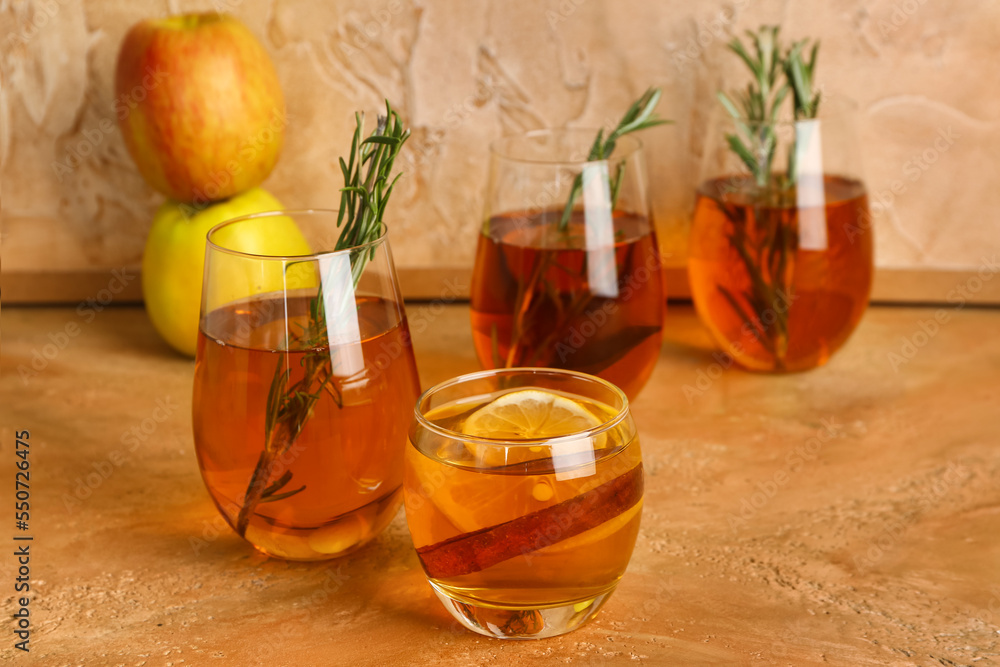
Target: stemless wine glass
x=781 y=261
x=576 y=287
x=304 y=384
x=523 y=491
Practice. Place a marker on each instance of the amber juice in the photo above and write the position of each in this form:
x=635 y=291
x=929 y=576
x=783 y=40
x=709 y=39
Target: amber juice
x=346 y=464
x=541 y=297
x=828 y=280
x=531 y=500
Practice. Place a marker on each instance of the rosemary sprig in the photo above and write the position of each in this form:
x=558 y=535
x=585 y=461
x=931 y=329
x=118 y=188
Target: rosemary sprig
x=756 y=108
x=362 y=202
x=639 y=116
x=767 y=255
x=366 y=191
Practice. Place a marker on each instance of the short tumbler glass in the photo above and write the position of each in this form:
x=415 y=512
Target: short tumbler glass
x=523 y=490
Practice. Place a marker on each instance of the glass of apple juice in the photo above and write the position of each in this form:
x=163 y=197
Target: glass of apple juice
x=304 y=383
x=568 y=271
x=523 y=490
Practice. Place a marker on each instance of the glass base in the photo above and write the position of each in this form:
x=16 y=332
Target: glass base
x=339 y=538
x=505 y=622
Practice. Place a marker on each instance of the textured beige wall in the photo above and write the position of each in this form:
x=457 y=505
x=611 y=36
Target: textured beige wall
x=466 y=71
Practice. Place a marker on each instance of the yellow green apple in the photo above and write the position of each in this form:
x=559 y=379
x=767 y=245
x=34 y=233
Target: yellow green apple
x=174 y=259
x=199 y=105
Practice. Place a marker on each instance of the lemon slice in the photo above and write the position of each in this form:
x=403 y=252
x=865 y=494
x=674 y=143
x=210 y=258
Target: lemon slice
x=529 y=414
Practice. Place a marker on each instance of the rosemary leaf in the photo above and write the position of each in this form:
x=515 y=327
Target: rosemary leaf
x=639 y=116
x=800 y=78
x=270 y=498
x=743 y=152
x=278 y=484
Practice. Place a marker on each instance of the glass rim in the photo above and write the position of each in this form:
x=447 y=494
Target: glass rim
x=621 y=414
x=843 y=107
x=383 y=235
x=628 y=144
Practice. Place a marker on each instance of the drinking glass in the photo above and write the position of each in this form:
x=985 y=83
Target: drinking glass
x=781 y=262
x=586 y=295
x=523 y=491
x=304 y=384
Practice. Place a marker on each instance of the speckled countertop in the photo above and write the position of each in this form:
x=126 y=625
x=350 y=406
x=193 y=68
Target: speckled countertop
x=850 y=515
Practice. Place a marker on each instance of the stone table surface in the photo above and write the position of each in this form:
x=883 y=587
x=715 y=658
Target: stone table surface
x=846 y=516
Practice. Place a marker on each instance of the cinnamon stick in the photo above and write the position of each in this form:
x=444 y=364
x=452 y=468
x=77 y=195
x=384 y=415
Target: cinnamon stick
x=480 y=549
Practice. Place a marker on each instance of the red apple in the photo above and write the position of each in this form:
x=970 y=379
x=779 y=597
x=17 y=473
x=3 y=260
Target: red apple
x=200 y=106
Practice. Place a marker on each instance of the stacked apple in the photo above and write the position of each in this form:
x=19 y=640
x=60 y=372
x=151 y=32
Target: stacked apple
x=203 y=116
